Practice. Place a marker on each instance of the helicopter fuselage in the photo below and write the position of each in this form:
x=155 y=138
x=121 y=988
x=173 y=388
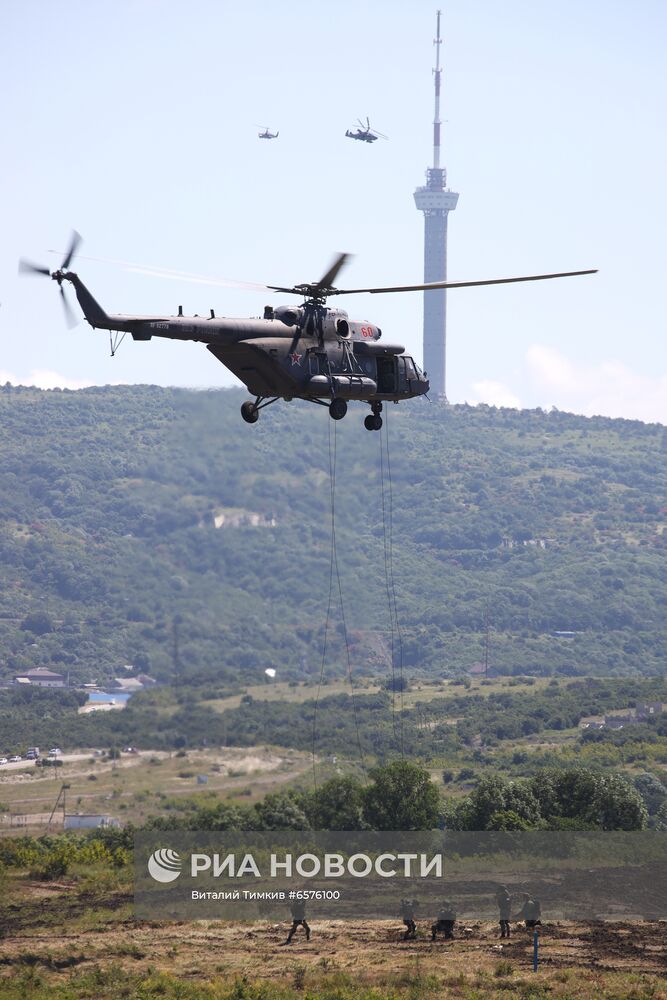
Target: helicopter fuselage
x=362 y=136
x=307 y=351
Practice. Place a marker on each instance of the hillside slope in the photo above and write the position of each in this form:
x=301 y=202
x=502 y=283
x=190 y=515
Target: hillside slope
x=150 y=526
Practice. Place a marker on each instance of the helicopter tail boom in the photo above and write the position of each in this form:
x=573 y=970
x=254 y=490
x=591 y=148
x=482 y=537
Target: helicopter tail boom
x=92 y=310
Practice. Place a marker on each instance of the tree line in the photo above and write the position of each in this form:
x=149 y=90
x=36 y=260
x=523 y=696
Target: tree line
x=403 y=796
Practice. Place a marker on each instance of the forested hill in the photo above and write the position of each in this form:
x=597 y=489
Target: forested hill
x=152 y=527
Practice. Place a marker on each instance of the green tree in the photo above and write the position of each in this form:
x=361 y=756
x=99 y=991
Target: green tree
x=652 y=791
x=571 y=793
x=605 y=801
x=401 y=796
x=37 y=622
x=505 y=820
x=619 y=805
x=281 y=811
x=338 y=804
x=660 y=818
x=493 y=797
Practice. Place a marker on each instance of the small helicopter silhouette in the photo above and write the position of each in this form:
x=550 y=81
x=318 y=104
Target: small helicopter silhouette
x=307 y=351
x=267 y=134
x=365 y=133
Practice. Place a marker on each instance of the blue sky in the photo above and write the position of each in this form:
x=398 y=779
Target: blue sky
x=134 y=122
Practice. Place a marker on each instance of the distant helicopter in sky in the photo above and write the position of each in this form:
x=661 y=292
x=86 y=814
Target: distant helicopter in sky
x=303 y=351
x=365 y=133
x=267 y=133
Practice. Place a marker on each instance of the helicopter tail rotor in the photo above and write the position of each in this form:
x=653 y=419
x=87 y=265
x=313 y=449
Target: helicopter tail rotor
x=73 y=247
x=71 y=319
x=27 y=267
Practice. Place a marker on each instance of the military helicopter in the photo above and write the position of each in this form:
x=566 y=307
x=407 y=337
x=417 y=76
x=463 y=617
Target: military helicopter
x=307 y=351
x=267 y=134
x=365 y=133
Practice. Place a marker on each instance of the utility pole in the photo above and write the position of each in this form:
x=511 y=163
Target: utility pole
x=61 y=798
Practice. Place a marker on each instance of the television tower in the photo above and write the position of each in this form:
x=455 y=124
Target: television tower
x=436 y=201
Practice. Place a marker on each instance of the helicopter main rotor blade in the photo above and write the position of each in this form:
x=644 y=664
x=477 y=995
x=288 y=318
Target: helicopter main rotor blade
x=27 y=267
x=327 y=280
x=165 y=272
x=321 y=288
x=459 y=284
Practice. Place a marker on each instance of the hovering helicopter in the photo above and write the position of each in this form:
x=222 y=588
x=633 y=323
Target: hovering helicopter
x=267 y=134
x=307 y=351
x=365 y=133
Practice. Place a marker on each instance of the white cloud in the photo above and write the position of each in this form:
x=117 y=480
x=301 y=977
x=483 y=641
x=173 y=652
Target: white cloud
x=43 y=378
x=608 y=388
x=495 y=394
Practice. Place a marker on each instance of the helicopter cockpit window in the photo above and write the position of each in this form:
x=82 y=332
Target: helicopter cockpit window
x=410 y=372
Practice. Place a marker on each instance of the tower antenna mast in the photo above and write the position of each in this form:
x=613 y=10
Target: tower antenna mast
x=436 y=201
x=437 y=73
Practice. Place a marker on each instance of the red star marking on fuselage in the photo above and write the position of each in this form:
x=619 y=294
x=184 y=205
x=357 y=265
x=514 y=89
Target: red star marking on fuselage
x=295 y=358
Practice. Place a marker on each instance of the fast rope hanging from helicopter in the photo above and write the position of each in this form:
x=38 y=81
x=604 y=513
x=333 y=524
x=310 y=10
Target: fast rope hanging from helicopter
x=396 y=637
x=334 y=583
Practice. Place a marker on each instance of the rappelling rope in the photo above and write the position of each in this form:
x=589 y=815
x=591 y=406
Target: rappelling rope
x=391 y=576
x=334 y=572
x=385 y=537
x=387 y=525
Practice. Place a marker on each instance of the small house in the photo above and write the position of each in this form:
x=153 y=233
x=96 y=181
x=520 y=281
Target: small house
x=40 y=677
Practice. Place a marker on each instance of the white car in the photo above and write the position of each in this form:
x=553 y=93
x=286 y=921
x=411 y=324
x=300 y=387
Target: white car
x=3 y=760
x=15 y=758
x=54 y=751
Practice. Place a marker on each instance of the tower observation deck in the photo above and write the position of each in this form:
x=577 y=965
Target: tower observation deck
x=436 y=201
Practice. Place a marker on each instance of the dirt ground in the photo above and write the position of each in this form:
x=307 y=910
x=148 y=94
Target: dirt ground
x=58 y=930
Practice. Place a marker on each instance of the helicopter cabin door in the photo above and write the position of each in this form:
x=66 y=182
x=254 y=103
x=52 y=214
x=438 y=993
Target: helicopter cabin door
x=386 y=375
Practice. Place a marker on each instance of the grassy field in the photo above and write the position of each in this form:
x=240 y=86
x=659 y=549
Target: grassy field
x=420 y=691
x=143 y=784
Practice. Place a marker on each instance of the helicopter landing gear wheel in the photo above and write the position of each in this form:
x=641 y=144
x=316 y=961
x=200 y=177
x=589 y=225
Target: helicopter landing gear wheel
x=373 y=421
x=337 y=408
x=249 y=412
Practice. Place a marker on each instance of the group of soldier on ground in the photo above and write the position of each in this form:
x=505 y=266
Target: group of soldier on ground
x=529 y=912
